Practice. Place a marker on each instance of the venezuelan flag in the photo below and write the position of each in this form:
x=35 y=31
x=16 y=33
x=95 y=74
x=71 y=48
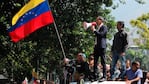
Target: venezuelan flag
x=34 y=15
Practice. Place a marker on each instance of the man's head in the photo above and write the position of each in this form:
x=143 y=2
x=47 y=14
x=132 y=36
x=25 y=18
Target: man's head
x=81 y=57
x=128 y=63
x=99 y=20
x=147 y=75
x=91 y=59
x=134 y=66
x=120 y=25
x=138 y=64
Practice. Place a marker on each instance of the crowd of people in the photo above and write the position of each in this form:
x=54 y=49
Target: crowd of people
x=84 y=69
x=88 y=68
x=120 y=69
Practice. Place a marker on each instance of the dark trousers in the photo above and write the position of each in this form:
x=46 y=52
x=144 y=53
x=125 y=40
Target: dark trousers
x=99 y=52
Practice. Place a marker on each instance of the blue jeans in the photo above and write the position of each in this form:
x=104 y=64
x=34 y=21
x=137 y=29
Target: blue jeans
x=115 y=57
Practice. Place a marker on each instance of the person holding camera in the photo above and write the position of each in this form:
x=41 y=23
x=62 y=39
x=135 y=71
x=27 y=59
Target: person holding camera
x=82 y=68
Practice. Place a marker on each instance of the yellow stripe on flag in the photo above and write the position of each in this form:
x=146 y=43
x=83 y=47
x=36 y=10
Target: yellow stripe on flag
x=30 y=5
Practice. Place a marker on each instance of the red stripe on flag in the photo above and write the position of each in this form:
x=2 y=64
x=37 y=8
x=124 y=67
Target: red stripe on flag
x=34 y=24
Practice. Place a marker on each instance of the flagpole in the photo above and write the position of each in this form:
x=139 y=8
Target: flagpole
x=65 y=77
x=61 y=47
x=59 y=39
x=57 y=34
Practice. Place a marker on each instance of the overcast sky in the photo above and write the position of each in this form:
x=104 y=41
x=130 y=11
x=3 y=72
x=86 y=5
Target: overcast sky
x=130 y=10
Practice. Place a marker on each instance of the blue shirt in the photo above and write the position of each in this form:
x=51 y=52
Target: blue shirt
x=132 y=75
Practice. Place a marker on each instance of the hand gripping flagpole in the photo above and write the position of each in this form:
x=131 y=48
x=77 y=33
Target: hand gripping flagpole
x=64 y=70
x=65 y=77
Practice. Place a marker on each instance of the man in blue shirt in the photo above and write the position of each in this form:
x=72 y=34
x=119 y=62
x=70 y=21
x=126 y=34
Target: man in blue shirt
x=134 y=75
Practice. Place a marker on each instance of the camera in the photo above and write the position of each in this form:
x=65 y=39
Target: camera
x=70 y=66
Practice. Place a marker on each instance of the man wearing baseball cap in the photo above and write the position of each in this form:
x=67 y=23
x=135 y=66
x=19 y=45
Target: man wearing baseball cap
x=82 y=67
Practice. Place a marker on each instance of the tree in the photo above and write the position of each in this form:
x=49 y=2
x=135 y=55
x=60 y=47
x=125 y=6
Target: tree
x=142 y=24
x=138 y=54
x=41 y=49
x=143 y=41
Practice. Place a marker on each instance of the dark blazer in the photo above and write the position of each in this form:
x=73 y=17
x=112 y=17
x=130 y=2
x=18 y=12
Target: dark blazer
x=101 y=37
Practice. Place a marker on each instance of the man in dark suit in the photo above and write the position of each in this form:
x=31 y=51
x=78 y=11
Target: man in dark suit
x=100 y=46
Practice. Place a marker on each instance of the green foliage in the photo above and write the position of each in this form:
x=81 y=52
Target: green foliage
x=138 y=54
x=41 y=50
x=143 y=42
x=142 y=24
